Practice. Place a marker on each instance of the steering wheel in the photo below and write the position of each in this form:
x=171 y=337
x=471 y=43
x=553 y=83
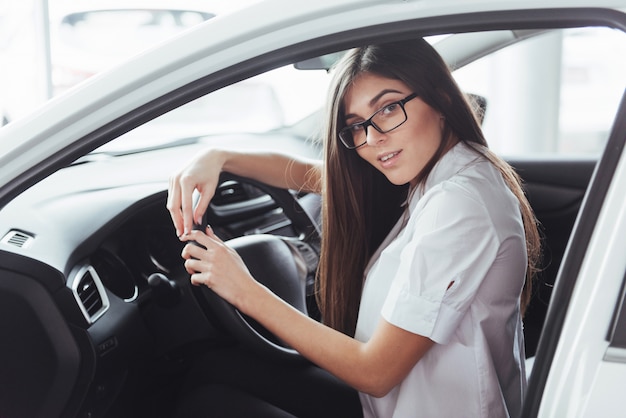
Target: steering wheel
x=285 y=265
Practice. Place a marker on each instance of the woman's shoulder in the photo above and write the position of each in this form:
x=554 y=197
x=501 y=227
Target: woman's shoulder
x=466 y=167
x=458 y=196
x=470 y=188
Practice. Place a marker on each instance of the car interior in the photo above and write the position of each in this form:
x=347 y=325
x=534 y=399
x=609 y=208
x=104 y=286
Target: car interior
x=98 y=315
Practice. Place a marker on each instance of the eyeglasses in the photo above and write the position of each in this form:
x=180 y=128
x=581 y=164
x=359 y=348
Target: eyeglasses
x=383 y=120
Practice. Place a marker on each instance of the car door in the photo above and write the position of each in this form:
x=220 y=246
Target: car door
x=580 y=365
x=580 y=368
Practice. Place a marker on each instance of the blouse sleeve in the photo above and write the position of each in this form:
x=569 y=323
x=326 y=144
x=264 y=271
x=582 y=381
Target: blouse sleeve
x=452 y=245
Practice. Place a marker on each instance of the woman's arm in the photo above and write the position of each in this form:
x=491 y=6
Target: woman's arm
x=373 y=367
x=276 y=169
x=202 y=174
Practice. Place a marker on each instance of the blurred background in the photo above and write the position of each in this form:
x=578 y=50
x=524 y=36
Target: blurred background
x=47 y=47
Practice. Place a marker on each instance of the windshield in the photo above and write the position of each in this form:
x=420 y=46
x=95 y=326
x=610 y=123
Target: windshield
x=515 y=123
x=277 y=99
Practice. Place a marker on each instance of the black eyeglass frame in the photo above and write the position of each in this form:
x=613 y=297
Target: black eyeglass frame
x=366 y=123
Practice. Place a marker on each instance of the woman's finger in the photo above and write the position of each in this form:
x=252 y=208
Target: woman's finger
x=201 y=206
x=192 y=251
x=211 y=235
x=208 y=239
x=174 y=206
x=187 y=186
x=194 y=266
x=197 y=280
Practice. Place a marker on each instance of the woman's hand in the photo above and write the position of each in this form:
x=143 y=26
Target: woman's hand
x=201 y=174
x=218 y=267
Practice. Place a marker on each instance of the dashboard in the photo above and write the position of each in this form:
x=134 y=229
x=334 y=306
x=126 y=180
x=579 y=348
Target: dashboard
x=92 y=259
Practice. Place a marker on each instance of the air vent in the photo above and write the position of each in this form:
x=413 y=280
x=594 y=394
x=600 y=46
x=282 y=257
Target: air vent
x=17 y=239
x=228 y=193
x=90 y=294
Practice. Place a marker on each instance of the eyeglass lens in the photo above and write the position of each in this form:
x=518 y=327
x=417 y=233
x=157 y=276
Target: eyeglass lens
x=384 y=120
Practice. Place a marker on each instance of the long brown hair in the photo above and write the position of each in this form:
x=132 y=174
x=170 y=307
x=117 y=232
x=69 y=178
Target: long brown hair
x=360 y=205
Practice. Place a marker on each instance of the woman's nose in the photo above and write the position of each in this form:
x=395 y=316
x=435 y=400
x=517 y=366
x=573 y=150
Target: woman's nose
x=373 y=137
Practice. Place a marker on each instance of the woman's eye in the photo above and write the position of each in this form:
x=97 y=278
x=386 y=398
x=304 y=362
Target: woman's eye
x=356 y=128
x=391 y=108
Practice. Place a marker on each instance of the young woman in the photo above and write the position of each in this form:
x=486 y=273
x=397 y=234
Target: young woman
x=428 y=250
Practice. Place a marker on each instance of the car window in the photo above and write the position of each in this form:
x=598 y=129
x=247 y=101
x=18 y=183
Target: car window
x=87 y=42
x=554 y=94
x=83 y=40
x=134 y=28
x=281 y=98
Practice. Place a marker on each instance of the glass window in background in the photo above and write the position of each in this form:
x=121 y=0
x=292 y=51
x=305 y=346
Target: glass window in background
x=555 y=93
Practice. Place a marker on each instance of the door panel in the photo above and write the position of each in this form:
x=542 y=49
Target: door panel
x=555 y=189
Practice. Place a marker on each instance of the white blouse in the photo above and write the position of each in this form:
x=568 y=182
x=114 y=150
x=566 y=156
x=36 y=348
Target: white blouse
x=453 y=274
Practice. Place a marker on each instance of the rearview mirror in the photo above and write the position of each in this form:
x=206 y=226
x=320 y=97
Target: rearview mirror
x=323 y=62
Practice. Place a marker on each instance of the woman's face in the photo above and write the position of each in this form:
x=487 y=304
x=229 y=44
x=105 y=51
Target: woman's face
x=402 y=153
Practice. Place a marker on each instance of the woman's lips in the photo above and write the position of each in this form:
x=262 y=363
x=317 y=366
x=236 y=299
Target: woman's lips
x=389 y=158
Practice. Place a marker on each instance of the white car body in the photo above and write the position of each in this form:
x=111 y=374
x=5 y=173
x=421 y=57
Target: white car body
x=585 y=377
